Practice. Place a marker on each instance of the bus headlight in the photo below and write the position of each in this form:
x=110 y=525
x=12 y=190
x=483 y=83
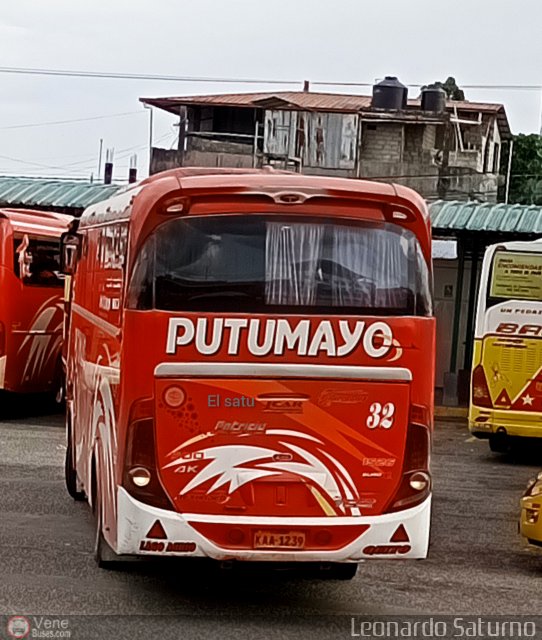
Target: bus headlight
x=140 y=476
x=419 y=481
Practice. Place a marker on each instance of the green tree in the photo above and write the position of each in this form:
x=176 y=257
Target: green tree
x=453 y=92
x=526 y=170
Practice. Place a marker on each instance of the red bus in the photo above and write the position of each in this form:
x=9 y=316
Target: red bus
x=250 y=369
x=31 y=304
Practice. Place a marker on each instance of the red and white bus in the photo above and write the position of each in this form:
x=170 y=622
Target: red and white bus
x=31 y=304
x=250 y=369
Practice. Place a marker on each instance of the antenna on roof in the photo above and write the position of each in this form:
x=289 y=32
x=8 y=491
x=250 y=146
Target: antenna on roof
x=132 y=172
x=100 y=158
x=108 y=167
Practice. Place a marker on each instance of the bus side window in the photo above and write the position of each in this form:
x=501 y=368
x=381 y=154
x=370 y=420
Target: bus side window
x=112 y=243
x=37 y=262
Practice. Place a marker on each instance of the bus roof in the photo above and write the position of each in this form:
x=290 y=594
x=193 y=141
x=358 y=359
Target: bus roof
x=43 y=223
x=217 y=177
x=231 y=179
x=266 y=182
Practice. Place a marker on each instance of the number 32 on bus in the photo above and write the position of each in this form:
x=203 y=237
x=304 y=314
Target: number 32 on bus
x=250 y=369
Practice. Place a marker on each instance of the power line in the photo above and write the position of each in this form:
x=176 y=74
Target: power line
x=56 y=122
x=35 y=164
x=120 y=151
x=87 y=162
x=137 y=76
x=225 y=80
x=502 y=87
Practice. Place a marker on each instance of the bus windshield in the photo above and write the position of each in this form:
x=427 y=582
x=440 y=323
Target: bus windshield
x=260 y=264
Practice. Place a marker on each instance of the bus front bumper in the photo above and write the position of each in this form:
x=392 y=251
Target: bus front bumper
x=146 y=530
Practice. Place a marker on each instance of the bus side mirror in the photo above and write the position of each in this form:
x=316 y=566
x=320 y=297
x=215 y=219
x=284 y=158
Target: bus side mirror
x=69 y=253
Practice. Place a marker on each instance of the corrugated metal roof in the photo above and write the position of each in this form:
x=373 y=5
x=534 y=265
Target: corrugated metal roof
x=296 y=99
x=301 y=99
x=338 y=102
x=480 y=216
x=50 y=193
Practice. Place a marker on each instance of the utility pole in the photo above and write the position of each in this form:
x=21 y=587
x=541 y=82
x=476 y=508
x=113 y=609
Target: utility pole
x=151 y=116
x=100 y=158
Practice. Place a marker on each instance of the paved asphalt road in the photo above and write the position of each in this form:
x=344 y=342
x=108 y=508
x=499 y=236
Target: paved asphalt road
x=478 y=563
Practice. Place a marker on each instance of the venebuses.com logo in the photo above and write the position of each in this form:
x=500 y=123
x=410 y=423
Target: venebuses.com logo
x=20 y=627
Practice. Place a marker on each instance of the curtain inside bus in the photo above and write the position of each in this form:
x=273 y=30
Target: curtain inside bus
x=258 y=264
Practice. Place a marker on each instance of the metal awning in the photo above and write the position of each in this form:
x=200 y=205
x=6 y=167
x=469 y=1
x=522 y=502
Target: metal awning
x=453 y=217
x=43 y=193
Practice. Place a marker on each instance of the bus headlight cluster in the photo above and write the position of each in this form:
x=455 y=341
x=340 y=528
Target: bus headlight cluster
x=420 y=481
x=140 y=476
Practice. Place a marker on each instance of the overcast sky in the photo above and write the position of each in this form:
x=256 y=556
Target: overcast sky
x=489 y=42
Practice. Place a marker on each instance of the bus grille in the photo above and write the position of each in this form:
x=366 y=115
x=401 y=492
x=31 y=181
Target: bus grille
x=520 y=358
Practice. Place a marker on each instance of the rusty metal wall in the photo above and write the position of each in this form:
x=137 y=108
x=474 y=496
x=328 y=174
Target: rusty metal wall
x=326 y=140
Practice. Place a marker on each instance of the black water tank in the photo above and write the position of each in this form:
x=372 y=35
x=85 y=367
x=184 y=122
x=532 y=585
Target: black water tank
x=389 y=94
x=434 y=99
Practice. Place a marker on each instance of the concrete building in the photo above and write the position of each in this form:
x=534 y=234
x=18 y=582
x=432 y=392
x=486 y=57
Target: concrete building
x=445 y=150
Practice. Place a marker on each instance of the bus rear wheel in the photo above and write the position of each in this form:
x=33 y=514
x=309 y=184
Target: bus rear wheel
x=343 y=571
x=499 y=443
x=335 y=571
x=58 y=393
x=70 y=474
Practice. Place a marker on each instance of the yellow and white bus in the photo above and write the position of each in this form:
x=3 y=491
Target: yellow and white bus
x=506 y=386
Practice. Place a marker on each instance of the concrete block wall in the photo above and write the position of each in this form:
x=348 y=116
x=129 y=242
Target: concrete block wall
x=429 y=137
x=210 y=159
x=419 y=173
x=383 y=143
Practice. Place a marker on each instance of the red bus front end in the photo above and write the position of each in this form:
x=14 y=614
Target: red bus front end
x=273 y=397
